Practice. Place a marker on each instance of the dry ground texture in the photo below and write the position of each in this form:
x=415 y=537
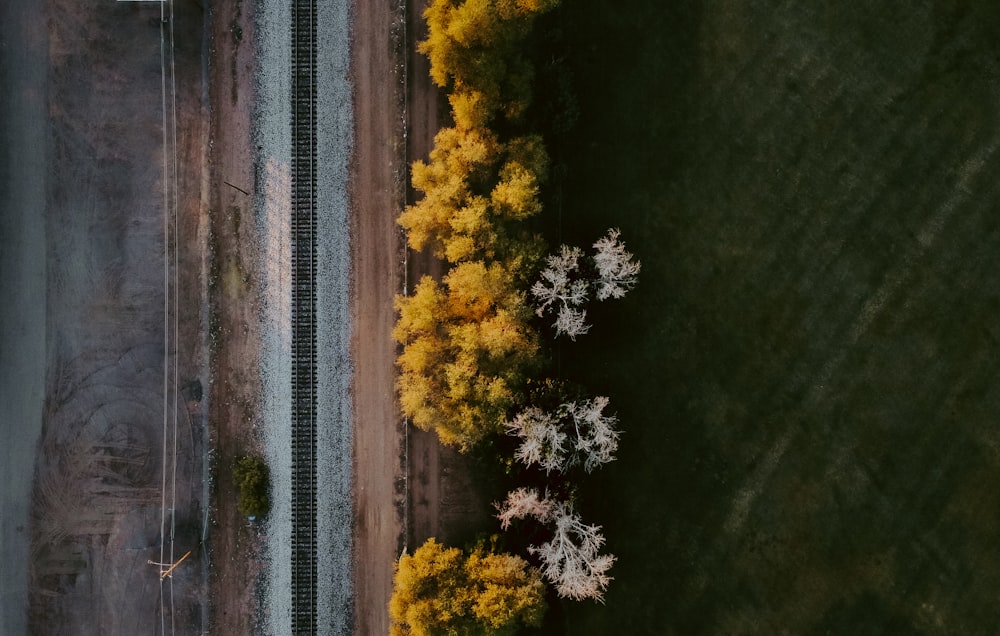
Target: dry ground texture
x=234 y=324
x=119 y=470
x=376 y=261
x=407 y=487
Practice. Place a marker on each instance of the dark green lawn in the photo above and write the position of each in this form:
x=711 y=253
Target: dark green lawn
x=808 y=373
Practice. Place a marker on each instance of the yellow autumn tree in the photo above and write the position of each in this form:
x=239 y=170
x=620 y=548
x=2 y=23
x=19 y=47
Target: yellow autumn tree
x=440 y=590
x=462 y=163
x=515 y=197
x=477 y=45
x=470 y=108
x=473 y=187
x=468 y=346
x=468 y=349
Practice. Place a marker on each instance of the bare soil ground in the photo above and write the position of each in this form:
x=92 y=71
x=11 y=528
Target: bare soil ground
x=118 y=478
x=234 y=327
x=377 y=257
x=407 y=486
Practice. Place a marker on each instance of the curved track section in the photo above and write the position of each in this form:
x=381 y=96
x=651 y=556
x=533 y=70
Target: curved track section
x=303 y=228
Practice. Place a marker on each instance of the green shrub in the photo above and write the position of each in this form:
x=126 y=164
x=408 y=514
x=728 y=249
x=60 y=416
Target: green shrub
x=252 y=477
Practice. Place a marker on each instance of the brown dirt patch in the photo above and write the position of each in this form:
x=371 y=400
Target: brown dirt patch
x=407 y=486
x=234 y=329
x=377 y=257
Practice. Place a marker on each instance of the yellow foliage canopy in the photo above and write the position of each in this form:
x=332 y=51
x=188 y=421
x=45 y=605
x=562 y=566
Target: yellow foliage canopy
x=467 y=350
x=439 y=590
x=467 y=343
x=472 y=188
x=470 y=108
x=477 y=45
x=461 y=163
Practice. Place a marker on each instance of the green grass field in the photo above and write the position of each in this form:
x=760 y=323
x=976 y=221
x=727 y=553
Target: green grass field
x=808 y=374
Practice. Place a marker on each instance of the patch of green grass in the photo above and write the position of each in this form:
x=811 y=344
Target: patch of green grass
x=806 y=372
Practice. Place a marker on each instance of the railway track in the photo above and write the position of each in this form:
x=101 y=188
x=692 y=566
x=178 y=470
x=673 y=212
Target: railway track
x=303 y=233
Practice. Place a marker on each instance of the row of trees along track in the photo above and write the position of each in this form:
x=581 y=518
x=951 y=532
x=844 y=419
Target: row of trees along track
x=303 y=232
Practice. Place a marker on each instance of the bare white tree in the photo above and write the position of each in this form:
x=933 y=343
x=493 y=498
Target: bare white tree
x=596 y=435
x=542 y=439
x=521 y=503
x=617 y=272
x=571 y=561
x=592 y=437
x=561 y=286
x=571 y=322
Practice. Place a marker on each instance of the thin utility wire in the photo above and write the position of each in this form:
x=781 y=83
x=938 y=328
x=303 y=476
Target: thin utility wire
x=166 y=308
x=176 y=340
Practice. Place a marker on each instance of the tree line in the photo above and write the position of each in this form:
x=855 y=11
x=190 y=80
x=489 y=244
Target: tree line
x=472 y=346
